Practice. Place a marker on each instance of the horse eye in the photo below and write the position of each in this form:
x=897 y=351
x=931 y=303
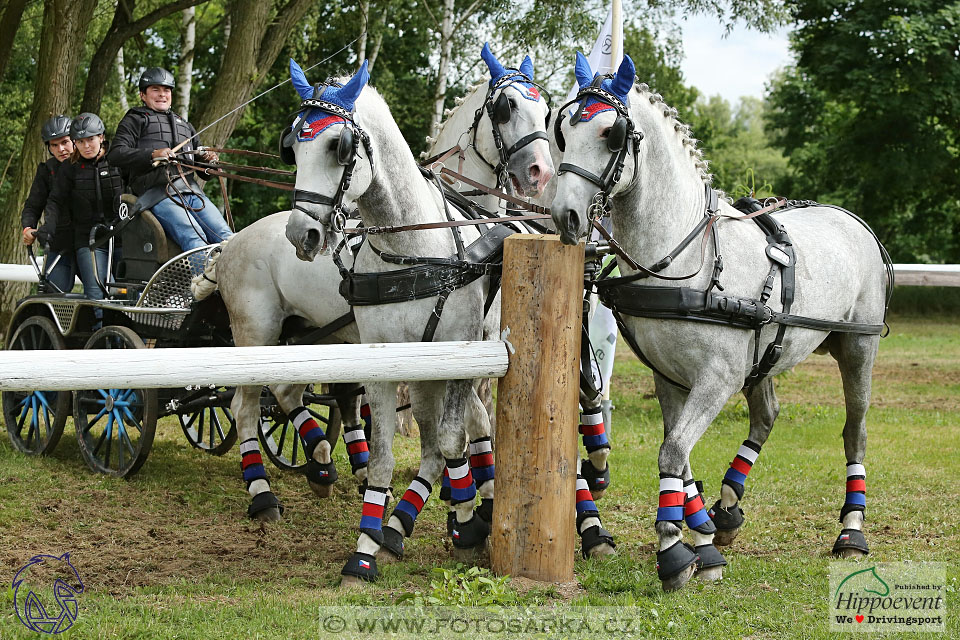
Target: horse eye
x=605 y=133
x=333 y=146
x=513 y=103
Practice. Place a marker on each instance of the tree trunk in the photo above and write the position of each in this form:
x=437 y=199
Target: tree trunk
x=64 y=29
x=446 y=45
x=253 y=46
x=364 y=22
x=122 y=75
x=121 y=29
x=378 y=25
x=185 y=70
x=9 y=23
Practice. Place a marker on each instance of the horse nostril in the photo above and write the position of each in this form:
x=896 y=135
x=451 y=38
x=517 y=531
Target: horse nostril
x=573 y=222
x=312 y=240
x=535 y=172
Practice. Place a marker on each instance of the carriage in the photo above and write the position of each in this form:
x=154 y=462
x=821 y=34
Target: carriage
x=147 y=305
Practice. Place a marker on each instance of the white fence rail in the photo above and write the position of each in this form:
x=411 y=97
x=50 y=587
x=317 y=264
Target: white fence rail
x=65 y=370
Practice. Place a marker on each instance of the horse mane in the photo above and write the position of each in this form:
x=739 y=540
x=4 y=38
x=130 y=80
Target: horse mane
x=447 y=116
x=682 y=131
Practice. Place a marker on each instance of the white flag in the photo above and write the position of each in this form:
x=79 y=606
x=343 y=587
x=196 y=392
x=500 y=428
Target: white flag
x=607 y=52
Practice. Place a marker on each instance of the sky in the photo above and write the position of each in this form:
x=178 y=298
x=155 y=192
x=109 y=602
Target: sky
x=735 y=66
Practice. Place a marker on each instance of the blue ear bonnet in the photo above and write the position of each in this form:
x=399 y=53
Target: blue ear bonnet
x=315 y=120
x=619 y=85
x=498 y=72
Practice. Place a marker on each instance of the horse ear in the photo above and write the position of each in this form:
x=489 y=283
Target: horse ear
x=496 y=69
x=351 y=91
x=299 y=80
x=623 y=81
x=582 y=71
x=526 y=67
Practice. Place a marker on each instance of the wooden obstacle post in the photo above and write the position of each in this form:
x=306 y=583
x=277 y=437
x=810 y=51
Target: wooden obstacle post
x=533 y=528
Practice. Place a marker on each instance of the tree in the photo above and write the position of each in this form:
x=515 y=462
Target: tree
x=870 y=118
x=10 y=16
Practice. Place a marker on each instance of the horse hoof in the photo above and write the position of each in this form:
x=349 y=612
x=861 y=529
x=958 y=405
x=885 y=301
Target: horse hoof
x=384 y=556
x=468 y=556
x=321 y=490
x=596 y=495
x=602 y=550
x=270 y=514
x=677 y=581
x=352 y=582
x=850 y=553
x=710 y=574
x=725 y=537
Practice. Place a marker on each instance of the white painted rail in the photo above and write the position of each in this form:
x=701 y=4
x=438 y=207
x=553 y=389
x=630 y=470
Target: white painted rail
x=928 y=275
x=159 y=368
x=21 y=273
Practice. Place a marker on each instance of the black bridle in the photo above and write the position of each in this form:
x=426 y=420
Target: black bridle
x=621 y=133
x=348 y=148
x=499 y=112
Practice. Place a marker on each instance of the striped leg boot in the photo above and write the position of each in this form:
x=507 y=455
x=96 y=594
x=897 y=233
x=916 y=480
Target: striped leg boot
x=726 y=512
x=404 y=516
x=264 y=504
x=482 y=468
x=362 y=565
x=710 y=562
x=357 y=450
x=469 y=530
x=676 y=560
x=445 y=497
x=851 y=543
x=595 y=541
x=320 y=470
x=595 y=469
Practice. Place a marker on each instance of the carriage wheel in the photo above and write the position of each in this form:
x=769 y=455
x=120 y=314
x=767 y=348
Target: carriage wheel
x=115 y=427
x=211 y=427
x=35 y=419
x=278 y=435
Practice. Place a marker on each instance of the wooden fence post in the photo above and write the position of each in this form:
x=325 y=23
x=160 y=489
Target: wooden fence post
x=533 y=529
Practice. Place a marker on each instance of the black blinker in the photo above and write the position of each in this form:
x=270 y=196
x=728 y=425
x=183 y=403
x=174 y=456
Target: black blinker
x=501 y=109
x=557 y=134
x=287 y=156
x=345 y=148
x=617 y=137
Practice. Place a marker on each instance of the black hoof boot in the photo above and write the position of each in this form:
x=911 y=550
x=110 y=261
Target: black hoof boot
x=591 y=542
x=597 y=481
x=675 y=565
x=393 y=542
x=265 y=507
x=360 y=566
x=485 y=510
x=851 y=544
x=728 y=523
x=710 y=562
x=470 y=534
x=323 y=474
x=451 y=521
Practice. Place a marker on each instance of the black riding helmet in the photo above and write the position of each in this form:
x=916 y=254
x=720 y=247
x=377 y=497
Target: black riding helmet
x=55 y=127
x=156 y=76
x=86 y=125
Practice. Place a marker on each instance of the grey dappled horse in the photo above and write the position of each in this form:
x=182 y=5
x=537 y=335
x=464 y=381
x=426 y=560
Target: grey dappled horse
x=656 y=202
x=383 y=180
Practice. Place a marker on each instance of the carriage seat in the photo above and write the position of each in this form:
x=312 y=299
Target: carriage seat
x=146 y=247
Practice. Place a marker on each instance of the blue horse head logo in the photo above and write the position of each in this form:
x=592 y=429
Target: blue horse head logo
x=45 y=593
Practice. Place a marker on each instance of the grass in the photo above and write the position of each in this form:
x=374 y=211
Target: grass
x=171 y=554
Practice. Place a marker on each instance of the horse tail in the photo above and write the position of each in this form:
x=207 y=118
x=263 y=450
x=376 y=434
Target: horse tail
x=203 y=285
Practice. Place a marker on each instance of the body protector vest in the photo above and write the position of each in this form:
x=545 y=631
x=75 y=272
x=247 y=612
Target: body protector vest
x=97 y=187
x=159 y=131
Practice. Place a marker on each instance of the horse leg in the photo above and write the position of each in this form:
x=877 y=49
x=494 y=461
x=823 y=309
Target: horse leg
x=594 y=469
x=676 y=561
x=595 y=541
x=764 y=409
x=855 y=355
x=353 y=426
x=320 y=470
x=245 y=406
x=710 y=562
x=404 y=516
x=480 y=448
x=362 y=565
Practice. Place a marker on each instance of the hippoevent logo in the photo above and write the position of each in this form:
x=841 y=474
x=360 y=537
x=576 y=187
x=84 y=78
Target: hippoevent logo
x=45 y=593
x=890 y=596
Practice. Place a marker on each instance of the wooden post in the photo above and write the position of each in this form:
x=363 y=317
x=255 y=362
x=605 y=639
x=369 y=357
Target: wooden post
x=533 y=529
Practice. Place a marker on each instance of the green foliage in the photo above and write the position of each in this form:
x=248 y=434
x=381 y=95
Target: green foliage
x=870 y=118
x=463 y=586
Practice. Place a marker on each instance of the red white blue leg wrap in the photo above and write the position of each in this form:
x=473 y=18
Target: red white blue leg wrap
x=736 y=475
x=251 y=462
x=412 y=503
x=462 y=488
x=481 y=460
x=672 y=499
x=592 y=429
x=310 y=432
x=856 y=498
x=357 y=448
x=374 y=505
x=694 y=511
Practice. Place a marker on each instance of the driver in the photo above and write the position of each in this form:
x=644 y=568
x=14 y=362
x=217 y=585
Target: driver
x=149 y=133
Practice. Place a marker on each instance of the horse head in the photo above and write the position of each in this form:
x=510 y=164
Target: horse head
x=598 y=130
x=334 y=154
x=509 y=131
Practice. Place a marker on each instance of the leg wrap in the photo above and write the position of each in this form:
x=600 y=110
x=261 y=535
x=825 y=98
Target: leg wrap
x=374 y=505
x=694 y=511
x=592 y=429
x=674 y=559
x=412 y=503
x=467 y=535
x=310 y=431
x=856 y=499
x=361 y=565
x=586 y=508
x=597 y=480
x=672 y=498
x=393 y=542
x=593 y=537
x=251 y=462
x=462 y=488
x=740 y=467
x=445 y=486
x=481 y=460
x=356 y=447
x=323 y=474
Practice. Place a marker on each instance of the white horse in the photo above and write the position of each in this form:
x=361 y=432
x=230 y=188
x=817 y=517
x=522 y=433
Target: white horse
x=263 y=284
x=626 y=152
x=382 y=178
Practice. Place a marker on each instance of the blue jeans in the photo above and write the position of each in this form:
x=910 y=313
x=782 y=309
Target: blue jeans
x=62 y=275
x=192 y=229
x=87 y=274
